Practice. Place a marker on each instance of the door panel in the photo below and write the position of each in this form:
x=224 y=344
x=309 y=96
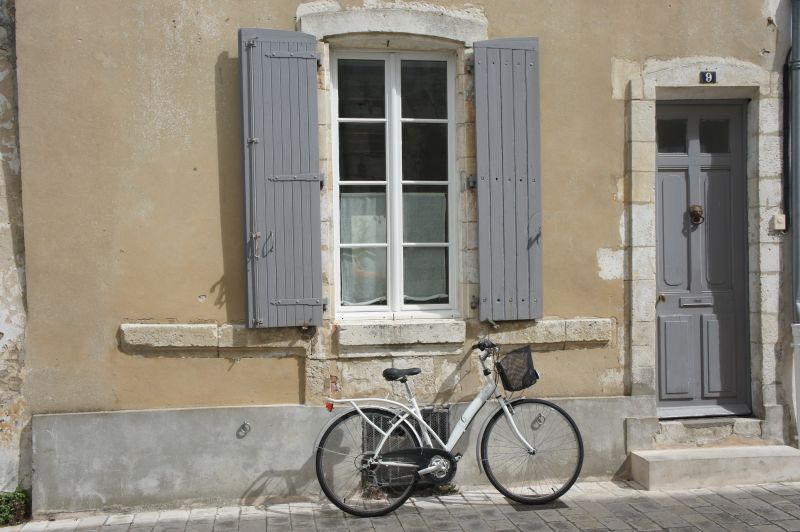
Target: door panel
x=701 y=260
x=716 y=199
x=673 y=189
x=719 y=356
x=677 y=367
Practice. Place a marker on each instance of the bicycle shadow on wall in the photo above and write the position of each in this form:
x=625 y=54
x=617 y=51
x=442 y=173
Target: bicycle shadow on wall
x=278 y=484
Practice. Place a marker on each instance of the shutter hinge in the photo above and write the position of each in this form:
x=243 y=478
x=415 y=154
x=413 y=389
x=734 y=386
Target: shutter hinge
x=310 y=302
x=471 y=181
x=296 y=177
x=298 y=55
x=251 y=43
x=253 y=140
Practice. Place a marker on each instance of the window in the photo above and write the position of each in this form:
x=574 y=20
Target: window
x=393 y=144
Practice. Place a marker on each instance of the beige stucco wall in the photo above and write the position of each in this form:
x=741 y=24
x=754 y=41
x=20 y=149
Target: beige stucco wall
x=130 y=145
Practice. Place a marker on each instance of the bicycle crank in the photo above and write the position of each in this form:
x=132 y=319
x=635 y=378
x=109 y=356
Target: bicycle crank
x=434 y=465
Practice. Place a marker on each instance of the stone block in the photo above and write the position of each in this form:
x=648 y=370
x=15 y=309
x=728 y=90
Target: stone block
x=769 y=115
x=643 y=333
x=747 y=428
x=469 y=235
x=169 y=339
x=643 y=381
x=770 y=192
x=643 y=305
x=235 y=339
x=469 y=266
x=586 y=332
x=770 y=156
x=643 y=225
x=640 y=433
x=643 y=187
x=643 y=263
x=643 y=156
x=402 y=332
x=769 y=258
x=711 y=466
x=770 y=292
x=643 y=356
x=642 y=121
x=544 y=332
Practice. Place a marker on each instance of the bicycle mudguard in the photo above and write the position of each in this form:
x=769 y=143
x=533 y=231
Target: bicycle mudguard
x=483 y=428
x=347 y=411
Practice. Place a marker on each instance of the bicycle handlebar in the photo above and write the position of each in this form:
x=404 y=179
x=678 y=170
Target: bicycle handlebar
x=484 y=344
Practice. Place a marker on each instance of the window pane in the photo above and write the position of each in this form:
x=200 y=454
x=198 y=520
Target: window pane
x=424 y=214
x=423 y=86
x=361 y=88
x=362 y=152
x=671 y=136
x=714 y=136
x=363 y=276
x=425 y=152
x=362 y=212
x=425 y=275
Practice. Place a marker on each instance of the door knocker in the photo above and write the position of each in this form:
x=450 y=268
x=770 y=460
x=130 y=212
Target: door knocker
x=696 y=214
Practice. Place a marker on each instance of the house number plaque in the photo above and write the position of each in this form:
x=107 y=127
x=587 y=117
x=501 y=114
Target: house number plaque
x=709 y=76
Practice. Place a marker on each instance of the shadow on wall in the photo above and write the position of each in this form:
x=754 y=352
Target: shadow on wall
x=228 y=291
x=280 y=483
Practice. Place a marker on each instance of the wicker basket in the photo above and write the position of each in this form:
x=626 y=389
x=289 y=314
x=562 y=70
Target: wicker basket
x=516 y=370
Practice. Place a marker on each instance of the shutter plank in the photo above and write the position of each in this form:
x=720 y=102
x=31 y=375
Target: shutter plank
x=257 y=244
x=314 y=196
x=286 y=188
x=496 y=185
x=305 y=165
x=535 y=183
x=508 y=180
x=483 y=184
x=268 y=236
x=246 y=80
x=508 y=154
x=297 y=188
x=522 y=285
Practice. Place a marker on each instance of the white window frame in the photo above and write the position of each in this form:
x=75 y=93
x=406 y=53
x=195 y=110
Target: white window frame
x=394 y=281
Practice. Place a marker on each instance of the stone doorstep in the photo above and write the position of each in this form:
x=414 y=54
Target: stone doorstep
x=715 y=466
x=707 y=431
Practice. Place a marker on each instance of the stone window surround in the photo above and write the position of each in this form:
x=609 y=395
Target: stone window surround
x=677 y=79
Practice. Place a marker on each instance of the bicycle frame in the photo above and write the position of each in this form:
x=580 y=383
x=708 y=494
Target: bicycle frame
x=413 y=411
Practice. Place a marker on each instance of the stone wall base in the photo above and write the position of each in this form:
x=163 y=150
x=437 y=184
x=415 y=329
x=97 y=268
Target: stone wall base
x=167 y=458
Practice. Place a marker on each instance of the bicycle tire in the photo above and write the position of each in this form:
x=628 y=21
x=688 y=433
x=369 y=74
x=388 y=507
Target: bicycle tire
x=340 y=462
x=532 y=478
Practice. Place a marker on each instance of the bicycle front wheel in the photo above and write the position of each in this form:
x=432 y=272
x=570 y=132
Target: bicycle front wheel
x=534 y=477
x=349 y=472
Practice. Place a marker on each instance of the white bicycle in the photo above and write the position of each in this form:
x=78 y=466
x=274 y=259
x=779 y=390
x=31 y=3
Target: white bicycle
x=370 y=457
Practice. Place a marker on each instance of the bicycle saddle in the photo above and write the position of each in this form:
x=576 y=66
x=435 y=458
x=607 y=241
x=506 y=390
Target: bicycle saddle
x=393 y=374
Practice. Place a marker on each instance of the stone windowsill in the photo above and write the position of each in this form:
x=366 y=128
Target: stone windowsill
x=210 y=340
x=357 y=339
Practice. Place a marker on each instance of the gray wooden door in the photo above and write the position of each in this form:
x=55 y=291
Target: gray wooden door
x=701 y=222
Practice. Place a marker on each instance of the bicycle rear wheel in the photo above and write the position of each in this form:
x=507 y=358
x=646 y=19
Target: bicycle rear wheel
x=345 y=473
x=548 y=472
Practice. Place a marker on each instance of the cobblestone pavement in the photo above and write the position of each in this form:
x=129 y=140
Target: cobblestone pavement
x=588 y=506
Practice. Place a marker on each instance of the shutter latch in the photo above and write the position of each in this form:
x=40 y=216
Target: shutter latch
x=252 y=140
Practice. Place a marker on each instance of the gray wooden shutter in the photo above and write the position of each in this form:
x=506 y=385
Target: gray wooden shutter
x=508 y=153
x=281 y=178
